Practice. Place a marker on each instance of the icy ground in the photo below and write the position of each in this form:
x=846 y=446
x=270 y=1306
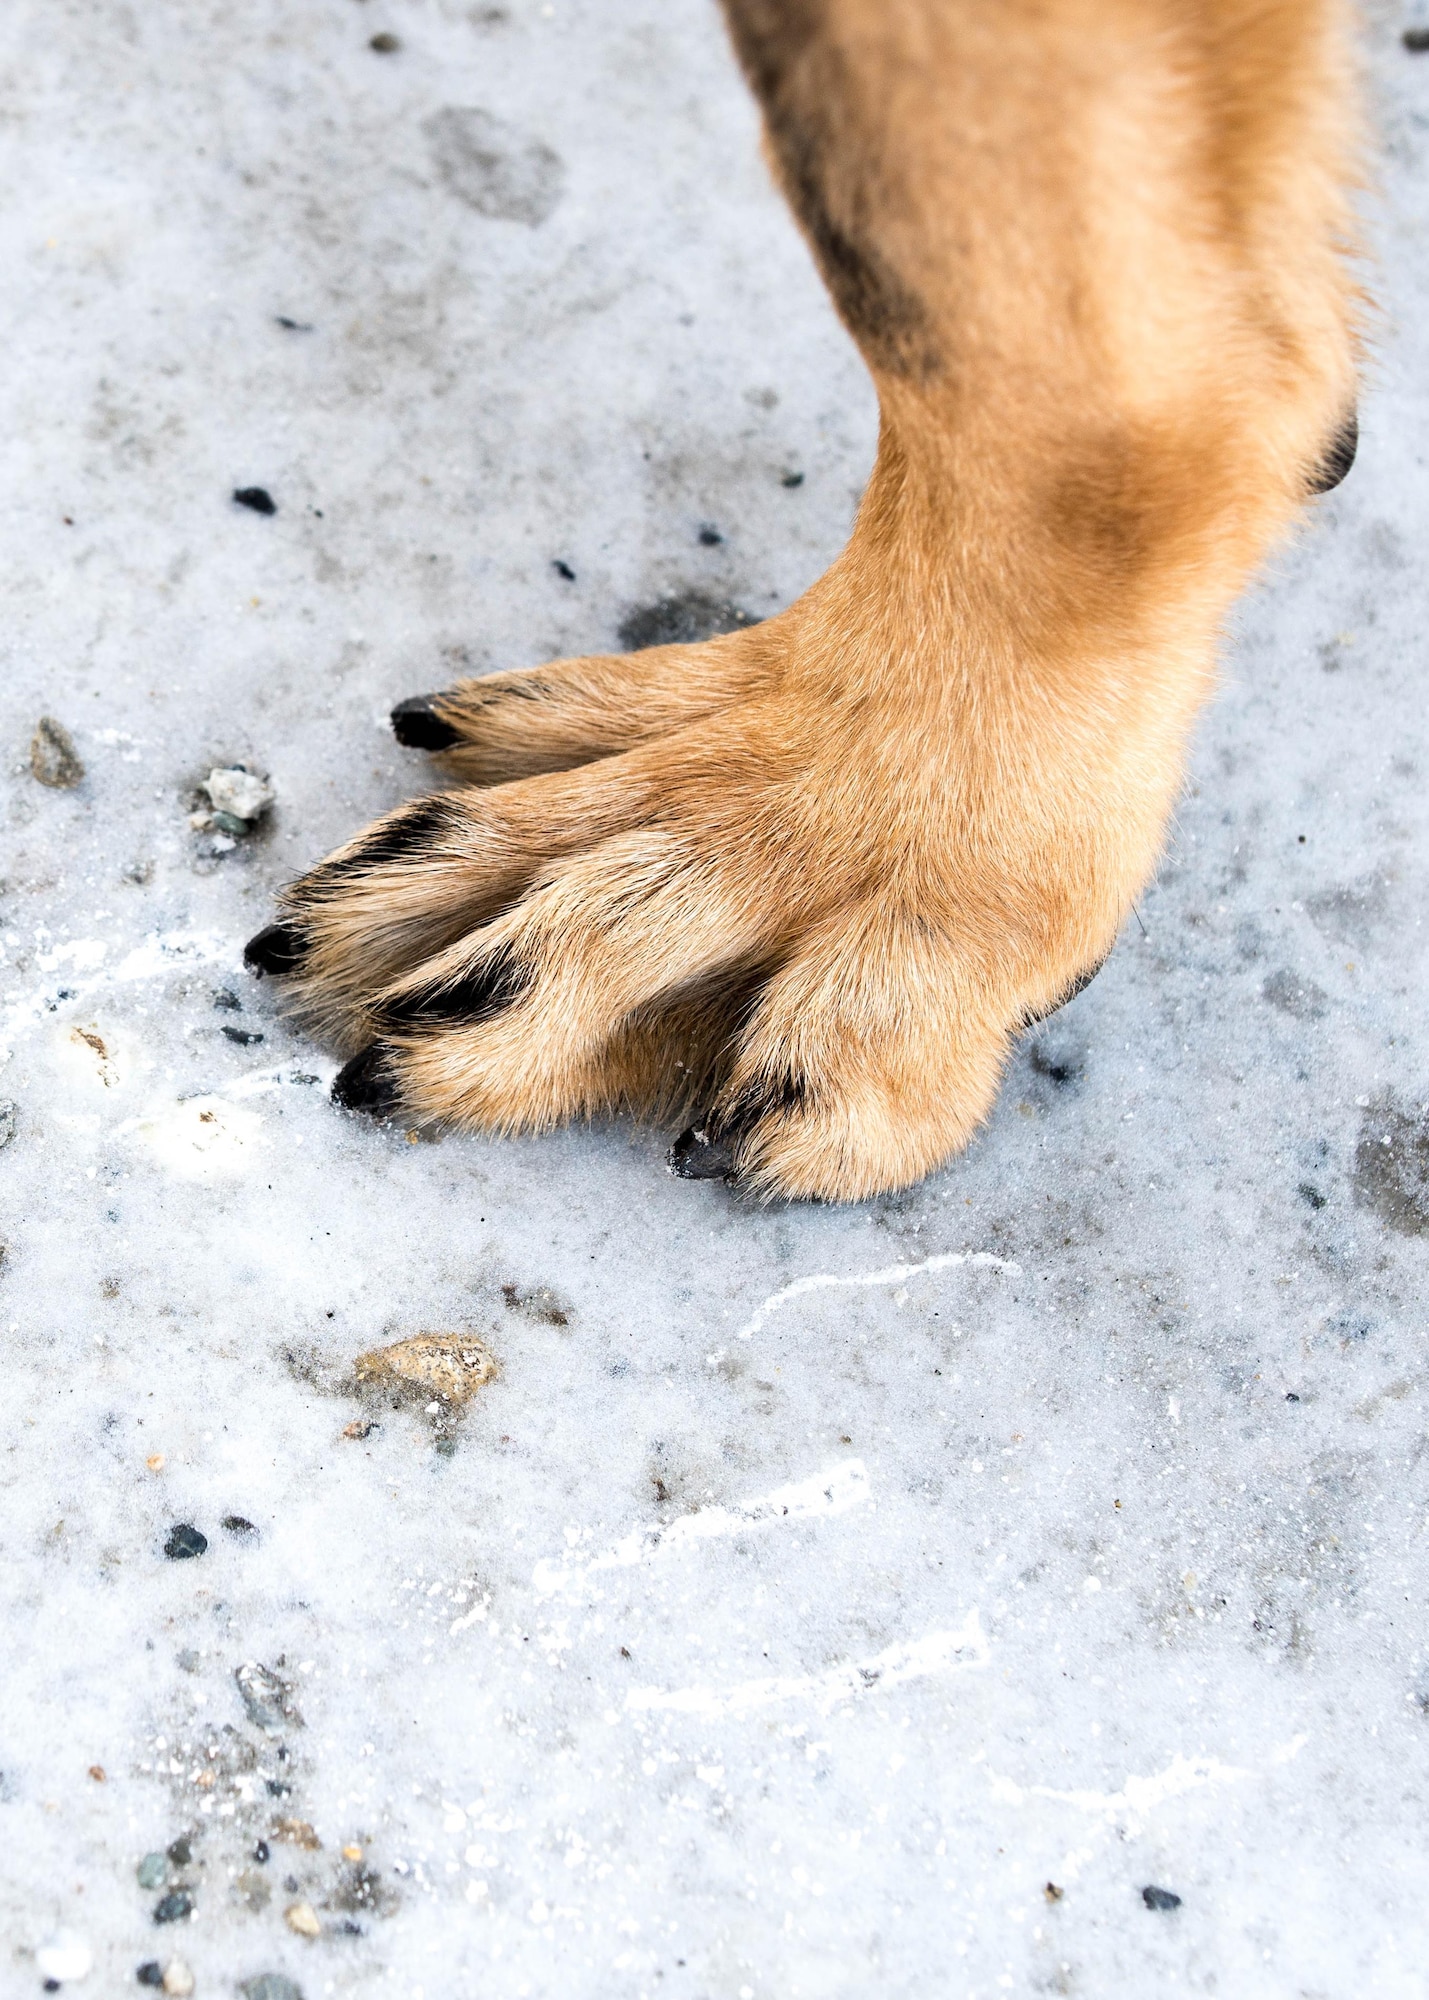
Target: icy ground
x=819 y=1602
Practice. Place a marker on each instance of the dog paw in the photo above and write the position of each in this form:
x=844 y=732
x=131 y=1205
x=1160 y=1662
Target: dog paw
x=805 y=909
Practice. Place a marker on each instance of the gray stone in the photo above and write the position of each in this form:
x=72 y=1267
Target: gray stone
x=267 y=1698
x=270 y=1986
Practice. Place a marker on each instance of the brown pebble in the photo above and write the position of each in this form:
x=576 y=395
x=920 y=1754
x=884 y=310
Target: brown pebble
x=385 y=44
x=53 y=757
x=297 y=1833
x=303 y=1918
x=450 y=1365
x=96 y=1771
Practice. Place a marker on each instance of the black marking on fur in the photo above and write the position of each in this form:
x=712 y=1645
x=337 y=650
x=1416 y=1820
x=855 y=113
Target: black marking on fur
x=495 y=983
x=757 y=1101
x=810 y=103
x=417 y=725
x=1079 y=985
x=277 y=948
x=684 y=620
x=367 y=1083
x=396 y=838
x=1340 y=457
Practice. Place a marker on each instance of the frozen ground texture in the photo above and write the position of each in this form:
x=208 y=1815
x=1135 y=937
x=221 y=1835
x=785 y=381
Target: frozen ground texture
x=813 y=1586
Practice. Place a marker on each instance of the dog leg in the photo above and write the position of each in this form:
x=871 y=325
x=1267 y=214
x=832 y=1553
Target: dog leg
x=812 y=879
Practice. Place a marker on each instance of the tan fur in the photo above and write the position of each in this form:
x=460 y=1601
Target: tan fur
x=814 y=876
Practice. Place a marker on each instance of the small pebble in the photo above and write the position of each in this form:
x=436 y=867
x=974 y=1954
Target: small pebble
x=1416 y=40
x=250 y=1884
x=155 y=1461
x=1160 y=1899
x=352 y=1852
x=153 y=1871
x=237 y=795
x=227 y=1001
x=245 y=1037
x=453 y=1365
x=181 y=1851
x=257 y=497
x=228 y=823
x=261 y=1851
x=268 y=1700
x=235 y=1524
x=64 y=1956
x=150 y=1973
x=385 y=44
x=53 y=757
x=563 y=569
x=710 y=537
x=184 y=1542
x=271 y=1986
x=9 y=1119
x=303 y=1918
x=171 y=1909
x=96 y=1771
x=178 y=1980
x=792 y=479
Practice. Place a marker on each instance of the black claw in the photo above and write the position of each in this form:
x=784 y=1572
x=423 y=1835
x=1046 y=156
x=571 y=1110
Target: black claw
x=1340 y=457
x=367 y=1084
x=416 y=724
x=1079 y=985
x=277 y=948
x=697 y=1156
x=495 y=983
